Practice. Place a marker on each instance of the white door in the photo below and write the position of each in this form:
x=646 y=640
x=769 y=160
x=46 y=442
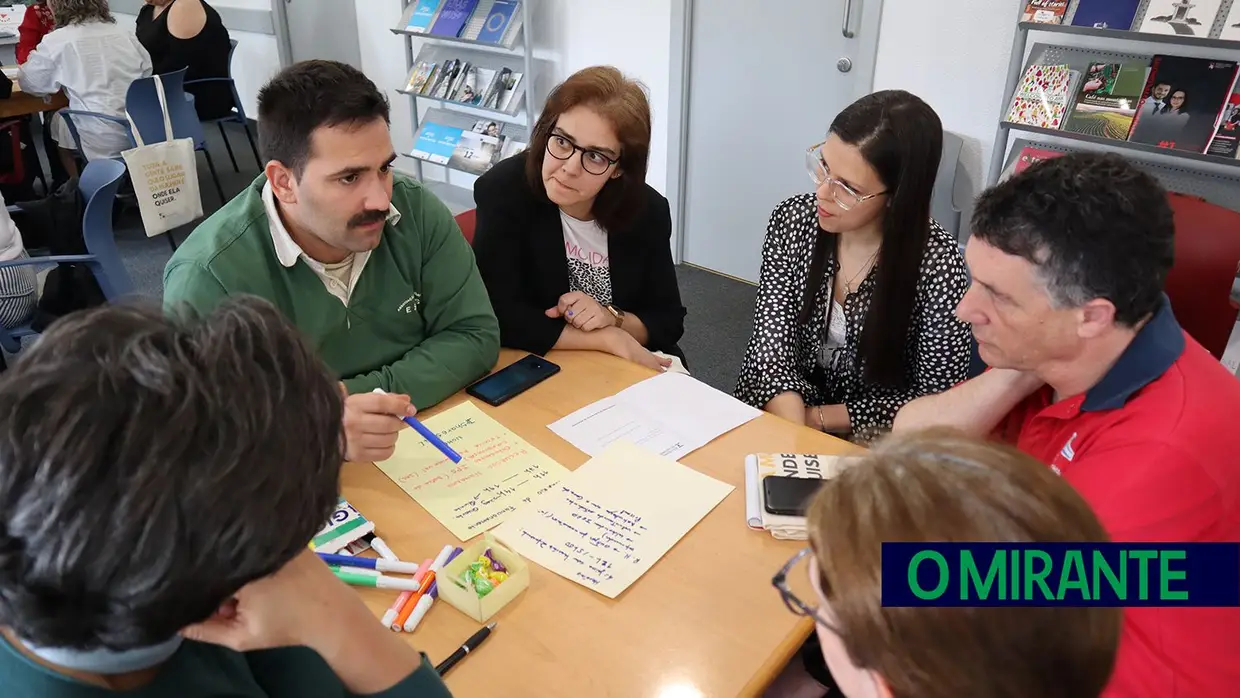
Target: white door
x=765 y=81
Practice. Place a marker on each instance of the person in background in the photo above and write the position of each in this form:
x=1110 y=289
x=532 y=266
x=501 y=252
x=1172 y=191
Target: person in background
x=36 y=23
x=368 y=264
x=1092 y=375
x=940 y=487
x=18 y=287
x=189 y=34
x=853 y=316
x=94 y=61
x=574 y=246
x=203 y=560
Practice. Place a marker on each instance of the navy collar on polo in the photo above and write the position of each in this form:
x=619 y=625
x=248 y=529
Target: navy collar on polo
x=1152 y=351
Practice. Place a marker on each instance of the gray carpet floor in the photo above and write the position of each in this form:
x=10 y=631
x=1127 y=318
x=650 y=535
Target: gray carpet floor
x=720 y=309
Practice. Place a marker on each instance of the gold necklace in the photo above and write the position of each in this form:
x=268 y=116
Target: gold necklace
x=848 y=283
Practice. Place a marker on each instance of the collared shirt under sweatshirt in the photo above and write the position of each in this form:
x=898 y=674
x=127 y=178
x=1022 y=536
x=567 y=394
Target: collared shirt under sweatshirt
x=417 y=319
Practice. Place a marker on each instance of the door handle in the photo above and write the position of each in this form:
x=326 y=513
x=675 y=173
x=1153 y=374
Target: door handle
x=848 y=33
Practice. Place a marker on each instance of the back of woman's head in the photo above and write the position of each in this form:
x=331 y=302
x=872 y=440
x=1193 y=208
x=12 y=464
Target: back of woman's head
x=901 y=137
x=942 y=487
x=622 y=103
x=67 y=12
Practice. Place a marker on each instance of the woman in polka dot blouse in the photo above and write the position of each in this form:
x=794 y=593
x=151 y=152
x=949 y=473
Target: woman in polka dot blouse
x=858 y=288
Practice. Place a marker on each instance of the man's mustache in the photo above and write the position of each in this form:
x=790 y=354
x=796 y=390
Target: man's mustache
x=367 y=217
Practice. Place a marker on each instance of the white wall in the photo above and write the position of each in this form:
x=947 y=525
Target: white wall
x=956 y=61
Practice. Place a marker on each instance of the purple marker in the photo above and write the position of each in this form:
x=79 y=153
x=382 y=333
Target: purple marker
x=434 y=590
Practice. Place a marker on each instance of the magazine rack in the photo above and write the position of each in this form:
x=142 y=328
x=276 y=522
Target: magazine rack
x=1193 y=172
x=515 y=52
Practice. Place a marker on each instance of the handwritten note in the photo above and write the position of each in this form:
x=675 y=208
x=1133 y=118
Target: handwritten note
x=607 y=523
x=498 y=471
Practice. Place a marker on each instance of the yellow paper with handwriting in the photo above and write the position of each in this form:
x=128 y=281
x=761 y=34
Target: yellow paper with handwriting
x=498 y=471
x=608 y=522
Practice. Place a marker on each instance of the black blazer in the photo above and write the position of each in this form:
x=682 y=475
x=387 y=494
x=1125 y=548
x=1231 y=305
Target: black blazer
x=519 y=244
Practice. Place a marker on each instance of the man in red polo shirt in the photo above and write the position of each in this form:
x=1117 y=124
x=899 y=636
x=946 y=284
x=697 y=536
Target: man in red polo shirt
x=1091 y=373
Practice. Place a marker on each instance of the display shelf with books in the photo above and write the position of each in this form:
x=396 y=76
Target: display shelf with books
x=466 y=143
x=1218 y=189
x=1143 y=96
x=488 y=82
x=495 y=24
x=474 y=60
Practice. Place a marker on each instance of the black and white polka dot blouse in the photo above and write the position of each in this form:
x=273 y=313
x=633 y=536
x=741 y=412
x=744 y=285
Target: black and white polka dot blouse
x=784 y=354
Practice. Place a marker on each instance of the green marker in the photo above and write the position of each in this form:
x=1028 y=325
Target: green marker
x=377 y=581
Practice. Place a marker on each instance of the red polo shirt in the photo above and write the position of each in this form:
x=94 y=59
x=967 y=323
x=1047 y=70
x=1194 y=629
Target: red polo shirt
x=1154 y=448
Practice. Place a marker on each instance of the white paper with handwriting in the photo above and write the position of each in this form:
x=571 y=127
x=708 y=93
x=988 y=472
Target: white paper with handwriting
x=608 y=522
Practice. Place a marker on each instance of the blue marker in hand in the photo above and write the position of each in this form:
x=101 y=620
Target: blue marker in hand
x=429 y=436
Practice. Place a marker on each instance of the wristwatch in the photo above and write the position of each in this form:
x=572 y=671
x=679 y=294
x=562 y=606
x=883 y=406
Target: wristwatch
x=618 y=313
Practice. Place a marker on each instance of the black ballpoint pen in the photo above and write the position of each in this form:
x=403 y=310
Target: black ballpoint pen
x=470 y=645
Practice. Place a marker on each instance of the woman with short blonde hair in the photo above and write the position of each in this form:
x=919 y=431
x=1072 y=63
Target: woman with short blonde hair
x=939 y=486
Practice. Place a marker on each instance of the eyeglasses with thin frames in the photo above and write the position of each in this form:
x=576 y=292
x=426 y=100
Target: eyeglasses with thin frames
x=794 y=602
x=844 y=196
x=592 y=161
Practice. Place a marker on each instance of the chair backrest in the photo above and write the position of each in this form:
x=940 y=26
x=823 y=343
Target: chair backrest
x=943 y=201
x=466 y=221
x=232 y=50
x=98 y=184
x=1207 y=250
x=142 y=103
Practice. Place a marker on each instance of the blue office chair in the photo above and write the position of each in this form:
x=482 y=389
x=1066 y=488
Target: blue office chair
x=142 y=103
x=237 y=115
x=98 y=184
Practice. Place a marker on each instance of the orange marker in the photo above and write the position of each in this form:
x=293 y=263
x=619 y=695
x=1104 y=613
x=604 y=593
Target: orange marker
x=390 y=616
x=412 y=602
x=406 y=603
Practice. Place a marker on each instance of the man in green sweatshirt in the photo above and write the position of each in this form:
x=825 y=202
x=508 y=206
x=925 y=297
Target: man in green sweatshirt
x=159 y=482
x=368 y=264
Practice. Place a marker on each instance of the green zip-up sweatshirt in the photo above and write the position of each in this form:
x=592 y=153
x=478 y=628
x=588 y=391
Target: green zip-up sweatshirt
x=419 y=321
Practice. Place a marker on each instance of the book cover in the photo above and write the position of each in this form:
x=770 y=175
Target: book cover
x=507 y=92
x=1107 y=100
x=1231 y=25
x=423 y=15
x=1180 y=17
x=1041 y=97
x=1029 y=155
x=1106 y=14
x=453 y=16
x=498 y=20
x=462 y=76
x=472 y=90
x=1045 y=11
x=436 y=143
x=488 y=127
x=418 y=76
x=1182 y=102
x=476 y=20
x=1226 y=141
x=474 y=153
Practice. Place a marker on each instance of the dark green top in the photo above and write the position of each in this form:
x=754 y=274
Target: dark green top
x=418 y=321
x=200 y=670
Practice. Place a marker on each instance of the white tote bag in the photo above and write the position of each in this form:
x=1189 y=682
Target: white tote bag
x=165 y=176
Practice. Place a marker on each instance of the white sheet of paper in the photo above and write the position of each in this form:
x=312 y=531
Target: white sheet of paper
x=671 y=414
x=608 y=522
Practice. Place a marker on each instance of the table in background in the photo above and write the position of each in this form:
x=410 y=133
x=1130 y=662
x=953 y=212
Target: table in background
x=704 y=620
x=21 y=103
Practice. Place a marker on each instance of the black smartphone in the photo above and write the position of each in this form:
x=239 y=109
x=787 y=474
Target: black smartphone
x=512 y=380
x=787 y=496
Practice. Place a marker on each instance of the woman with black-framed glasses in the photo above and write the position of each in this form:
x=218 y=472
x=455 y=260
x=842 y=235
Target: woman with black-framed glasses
x=855 y=314
x=572 y=243
x=940 y=487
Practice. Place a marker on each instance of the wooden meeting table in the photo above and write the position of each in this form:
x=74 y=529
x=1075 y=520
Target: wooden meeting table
x=704 y=621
